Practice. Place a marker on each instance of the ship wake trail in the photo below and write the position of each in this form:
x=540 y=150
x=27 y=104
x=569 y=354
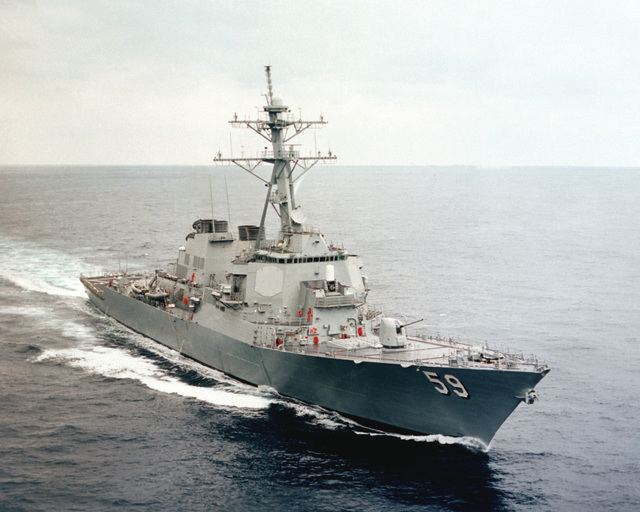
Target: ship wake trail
x=39 y=269
x=117 y=363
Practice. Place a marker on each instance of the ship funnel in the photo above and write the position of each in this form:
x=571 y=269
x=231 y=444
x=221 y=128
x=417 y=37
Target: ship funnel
x=392 y=333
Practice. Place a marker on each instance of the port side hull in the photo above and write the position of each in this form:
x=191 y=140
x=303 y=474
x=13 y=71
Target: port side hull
x=428 y=400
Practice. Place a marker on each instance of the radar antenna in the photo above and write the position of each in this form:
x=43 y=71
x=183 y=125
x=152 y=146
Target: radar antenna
x=270 y=97
x=273 y=125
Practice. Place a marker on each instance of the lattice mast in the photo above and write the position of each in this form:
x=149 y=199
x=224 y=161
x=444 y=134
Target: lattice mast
x=275 y=126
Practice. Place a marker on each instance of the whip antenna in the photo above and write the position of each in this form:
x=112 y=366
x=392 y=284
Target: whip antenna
x=211 y=198
x=226 y=189
x=268 y=69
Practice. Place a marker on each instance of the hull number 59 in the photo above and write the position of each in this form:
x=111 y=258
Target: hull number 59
x=441 y=387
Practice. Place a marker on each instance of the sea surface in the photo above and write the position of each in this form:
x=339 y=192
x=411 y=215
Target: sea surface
x=94 y=417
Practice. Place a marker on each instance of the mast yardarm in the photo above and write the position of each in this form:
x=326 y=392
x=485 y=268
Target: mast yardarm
x=278 y=126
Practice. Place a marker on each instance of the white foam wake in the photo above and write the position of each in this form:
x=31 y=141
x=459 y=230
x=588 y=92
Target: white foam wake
x=40 y=269
x=119 y=364
x=49 y=321
x=30 y=311
x=470 y=443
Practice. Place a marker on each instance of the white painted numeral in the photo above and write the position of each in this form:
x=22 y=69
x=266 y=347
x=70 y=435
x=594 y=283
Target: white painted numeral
x=440 y=387
x=458 y=387
x=454 y=382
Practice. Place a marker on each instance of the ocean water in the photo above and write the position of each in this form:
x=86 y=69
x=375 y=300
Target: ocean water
x=541 y=260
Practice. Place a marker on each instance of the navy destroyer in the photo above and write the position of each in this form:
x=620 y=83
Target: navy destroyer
x=291 y=313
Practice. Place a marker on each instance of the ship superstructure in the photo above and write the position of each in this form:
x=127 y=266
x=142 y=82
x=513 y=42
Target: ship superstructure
x=291 y=313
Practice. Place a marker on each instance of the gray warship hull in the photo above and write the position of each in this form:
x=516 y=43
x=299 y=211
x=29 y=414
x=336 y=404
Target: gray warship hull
x=291 y=313
x=393 y=397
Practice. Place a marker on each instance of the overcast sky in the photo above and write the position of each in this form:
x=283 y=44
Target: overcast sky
x=489 y=83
